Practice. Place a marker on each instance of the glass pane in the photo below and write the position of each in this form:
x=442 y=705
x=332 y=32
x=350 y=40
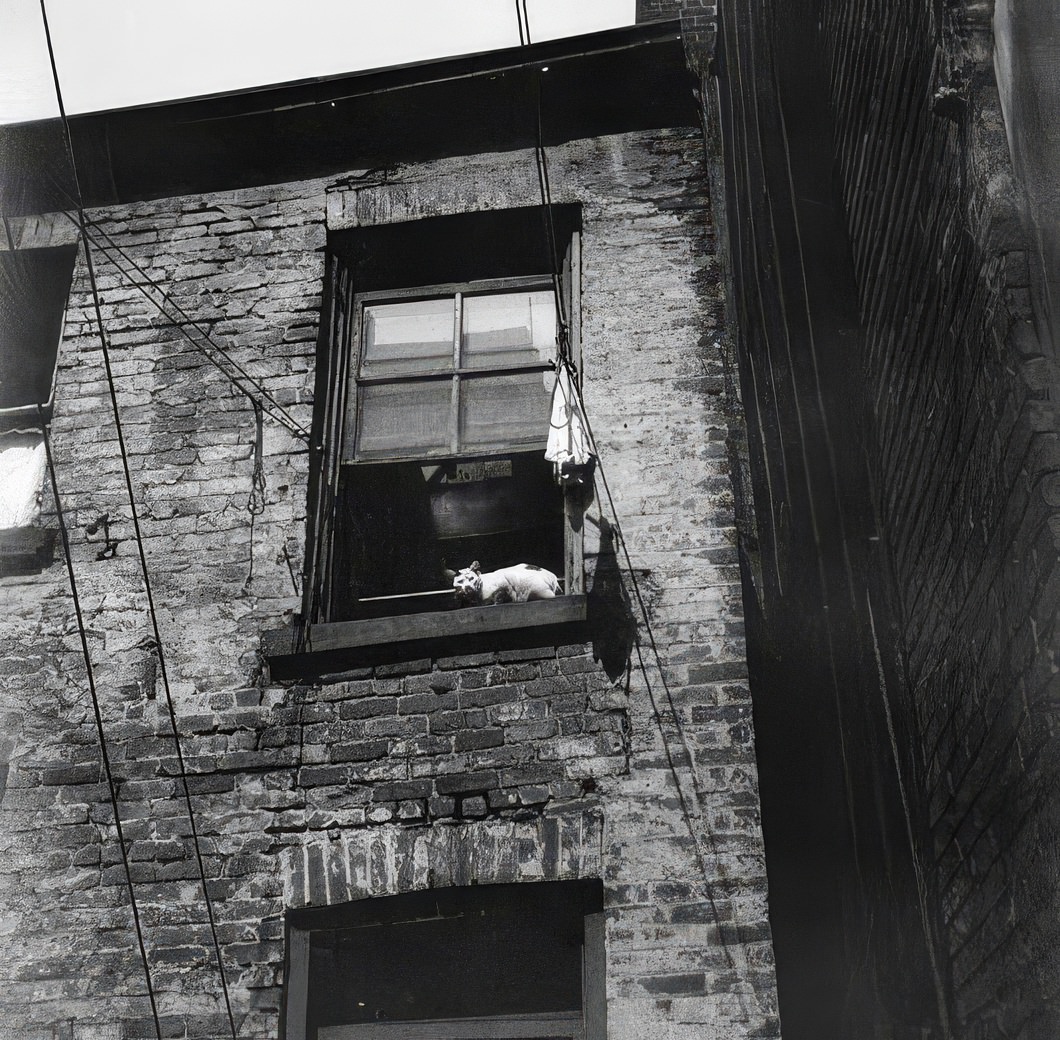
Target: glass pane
x=408 y=338
x=505 y=411
x=508 y=329
x=403 y=419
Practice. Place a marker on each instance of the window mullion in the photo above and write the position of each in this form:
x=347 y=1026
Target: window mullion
x=454 y=411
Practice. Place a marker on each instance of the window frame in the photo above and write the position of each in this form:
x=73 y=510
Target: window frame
x=25 y=417
x=460 y=374
x=29 y=548
x=342 y=335
x=590 y=1023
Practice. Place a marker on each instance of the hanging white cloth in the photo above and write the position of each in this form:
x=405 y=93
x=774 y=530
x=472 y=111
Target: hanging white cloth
x=22 y=464
x=568 y=439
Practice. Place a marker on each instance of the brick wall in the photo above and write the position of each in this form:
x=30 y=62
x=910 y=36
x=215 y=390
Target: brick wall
x=966 y=432
x=399 y=776
x=698 y=24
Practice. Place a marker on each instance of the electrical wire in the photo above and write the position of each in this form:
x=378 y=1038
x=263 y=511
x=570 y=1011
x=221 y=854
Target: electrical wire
x=82 y=222
x=545 y=188
x=281 y=415
x=519 y=19
x=182 y=770
x=136 y=527
x=544 y=185
x=672 y=765
x=105 y=757
x=524 y=24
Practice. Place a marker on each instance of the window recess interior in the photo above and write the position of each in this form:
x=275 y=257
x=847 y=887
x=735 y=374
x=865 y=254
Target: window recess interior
x=491 y=961
x=34 y=290
x=437 y=402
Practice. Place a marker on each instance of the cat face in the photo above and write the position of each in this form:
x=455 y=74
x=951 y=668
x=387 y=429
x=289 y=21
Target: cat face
x=468 y=584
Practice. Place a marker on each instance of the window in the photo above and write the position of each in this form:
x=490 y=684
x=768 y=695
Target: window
x=492 y=961
x=435 y=380
x=453 y=374
x=34 y=286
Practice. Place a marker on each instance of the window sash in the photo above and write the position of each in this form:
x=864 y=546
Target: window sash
x=570 y=1017
x=396 y=406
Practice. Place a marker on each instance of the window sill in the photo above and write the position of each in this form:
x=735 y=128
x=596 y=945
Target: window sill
x=346 y=644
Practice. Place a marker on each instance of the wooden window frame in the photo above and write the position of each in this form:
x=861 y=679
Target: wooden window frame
x=347 y=310
x=589 y=1024
x=460 y=374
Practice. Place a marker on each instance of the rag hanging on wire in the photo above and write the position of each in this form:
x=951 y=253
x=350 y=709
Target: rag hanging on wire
x=570 y=448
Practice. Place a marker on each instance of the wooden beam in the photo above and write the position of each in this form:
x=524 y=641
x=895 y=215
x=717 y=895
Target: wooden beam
x=554 y=1026
x=444 y=624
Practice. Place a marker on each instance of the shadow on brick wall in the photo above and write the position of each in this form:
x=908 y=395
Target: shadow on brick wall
x=611 y=624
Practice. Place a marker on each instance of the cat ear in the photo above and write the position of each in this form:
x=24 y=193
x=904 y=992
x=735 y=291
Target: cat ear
x=475 y=566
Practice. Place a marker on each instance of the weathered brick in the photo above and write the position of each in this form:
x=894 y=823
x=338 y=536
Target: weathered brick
x=369 y=707
x=402 y=790
x=478 y=698
x=361 y=751
x=460 y=782
x=473 y=807
x=418 y=704
x=89 y=773
x=463 y=752
x=471 y=740
x=322 y=776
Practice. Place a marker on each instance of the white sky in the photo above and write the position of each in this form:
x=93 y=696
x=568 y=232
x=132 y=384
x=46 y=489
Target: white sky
x=114 y=53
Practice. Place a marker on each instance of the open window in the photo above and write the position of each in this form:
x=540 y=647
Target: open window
x=34 y=287
x=436 y=370
x=490 y=961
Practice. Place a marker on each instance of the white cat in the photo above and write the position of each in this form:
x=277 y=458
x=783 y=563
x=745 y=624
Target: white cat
x=507 y=585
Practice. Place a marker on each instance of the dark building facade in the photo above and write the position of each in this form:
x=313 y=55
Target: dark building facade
x=891 y=193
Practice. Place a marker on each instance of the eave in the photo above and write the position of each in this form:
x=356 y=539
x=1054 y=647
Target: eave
x=615 y=81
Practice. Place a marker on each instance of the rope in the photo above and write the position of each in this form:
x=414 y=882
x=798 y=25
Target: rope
x=256 y=499
x=99 y=720
x=136 y=527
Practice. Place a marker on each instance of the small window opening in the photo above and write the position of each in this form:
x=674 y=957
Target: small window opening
x=498 y=961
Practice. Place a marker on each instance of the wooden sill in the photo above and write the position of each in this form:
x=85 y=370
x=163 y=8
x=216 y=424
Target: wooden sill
x=404 y=637
x=446 y=624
